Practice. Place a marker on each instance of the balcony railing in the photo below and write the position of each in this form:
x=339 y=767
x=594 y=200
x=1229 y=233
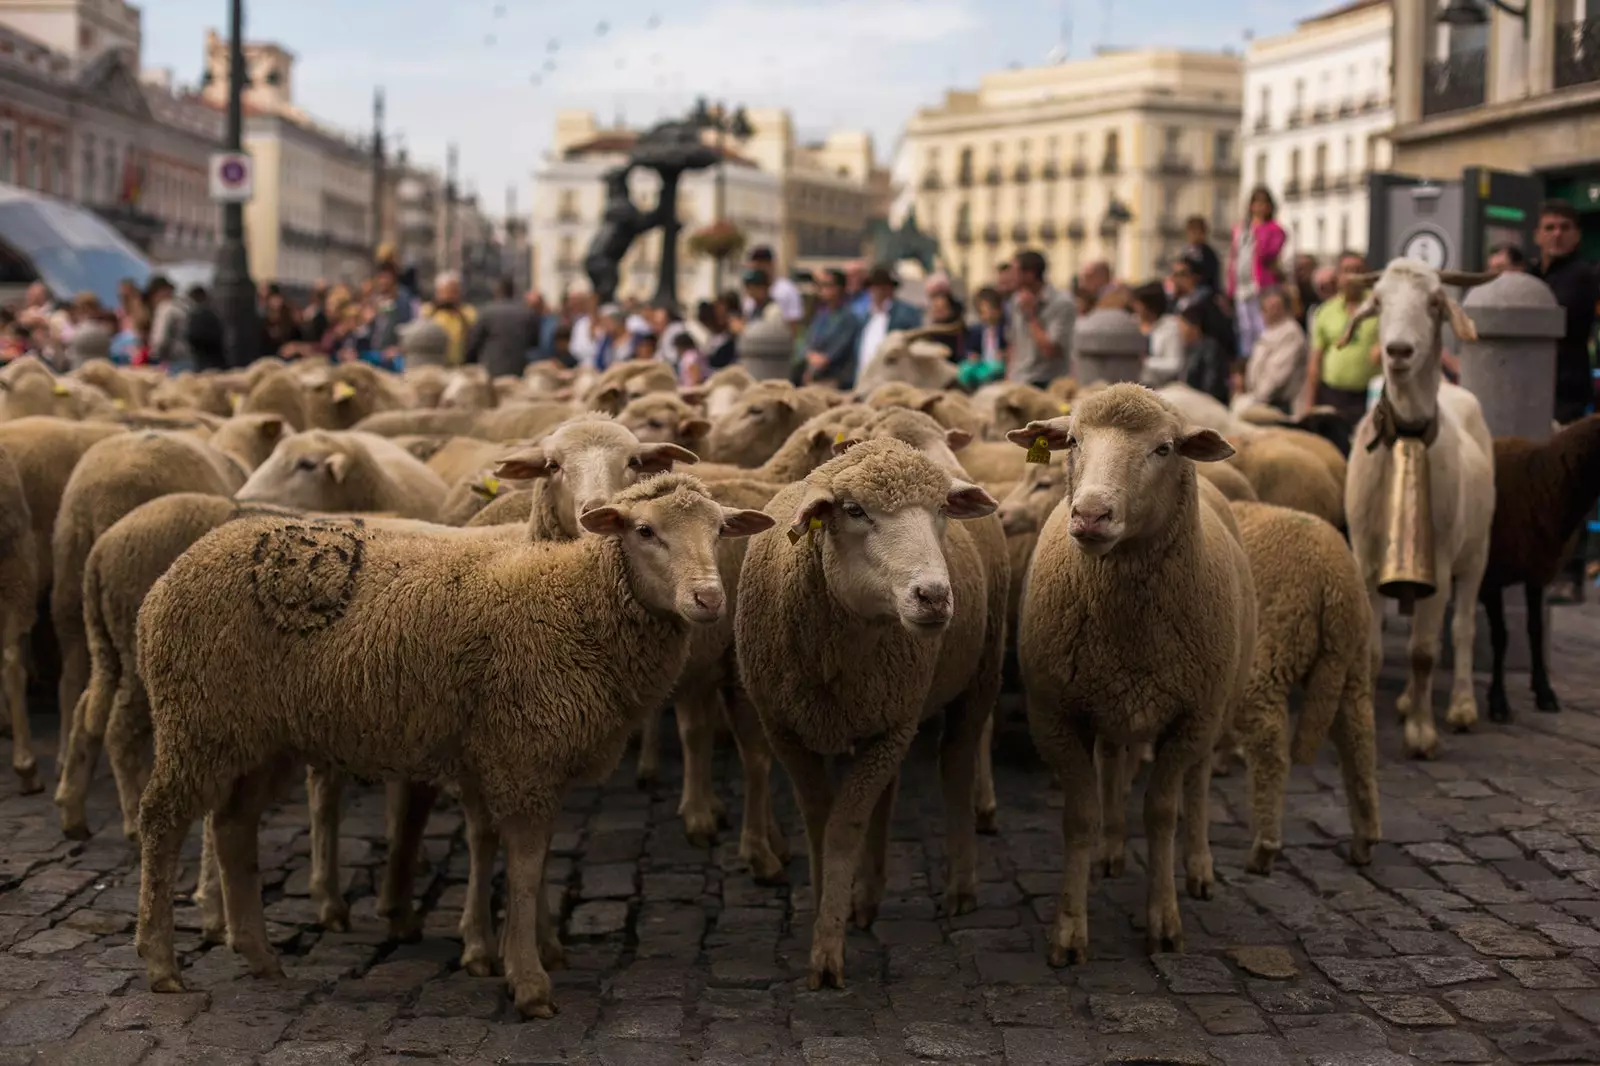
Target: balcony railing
x=931 y=182
x=964 y=179
x=1263 y=122
x=1019 y=232
x=1291 y=189
x=1021 y=173
x=1319 y=185
x=1341 y=183
x=1174 y=165
x=1047 y=232
x=992 y=176
x=1577 y=53
x=1225 y=168
x=1109 y=165
x=991 y=234
x=1075 y=230
x=1372 y=102
x=1296 y=119
x=567 y=214
x=1050 y=171
x=963 y=233
x=1109 y=229
x=1080 y=169
x=1455 y=83
x=1347 y=108
x=1319 y=113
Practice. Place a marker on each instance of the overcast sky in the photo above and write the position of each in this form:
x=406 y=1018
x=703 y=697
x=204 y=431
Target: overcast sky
x=464 y=70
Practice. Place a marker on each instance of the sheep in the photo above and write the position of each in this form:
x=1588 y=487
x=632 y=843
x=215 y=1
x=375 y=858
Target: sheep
x=664 y=417
x=19 y=599
x=757 y=425
x=908 y=356
x=721 y=390
x=462 y=457
x=624 y=382
x=519 y=421
x=125 y=392
x=1138 y=626
x=953 y=410
x=1411 y=305
x=855 y=622
x=1229 y=481
x=806 y=448
x=199 y=392
x=546 y=378
x=324 y=470
x=469 y=388
x=1283 y=473
x=266 y=670
x=429 y=422
x=113 y=478
x=1014 y=406
x=427 y=384
x=1313 y=618
x=46 y=451
x=896 y=394
x=1545 y=491
x=28 y=388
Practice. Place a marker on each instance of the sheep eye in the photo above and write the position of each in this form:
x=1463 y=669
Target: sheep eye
x=1072 y=442
x=306 y=464
x=1164 y=449
x=645 y=532
x=552 y=466
x=855 y=510
x=633 y=463
x=654 y=423
x=754 y=412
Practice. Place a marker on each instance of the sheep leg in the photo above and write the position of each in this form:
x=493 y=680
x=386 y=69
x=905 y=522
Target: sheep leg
x=1375 y=657
x=1494 y=606
x=761 y=842
x=208 y=888
x=478 y=954
x=1544 y=697
x=409 y=805
x=166 y=812
x=236 y=824
x=551 y=953
x=1164 y=928
x=1115 y=762
x=1264 y=730
x=987 y=807
x=1463 y=712
x=16 y=693
x=74 y=678
x=813 y=791
x=876 y=763
x=128 y=737
x=867 y=893
x=649 y=767
x=1416 y=702
x=703 y=813
x=323 y=791
x=527 y=837
x=1071 y=756
x=1199 y=875
x=1355 y=739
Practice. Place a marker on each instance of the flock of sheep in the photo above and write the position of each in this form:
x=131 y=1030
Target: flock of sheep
x=439 y=580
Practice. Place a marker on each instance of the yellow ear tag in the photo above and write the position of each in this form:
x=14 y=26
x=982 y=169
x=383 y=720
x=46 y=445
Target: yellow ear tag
x=121 y=405
x=838 y=438
x=234 y=400
x=62 y=390
x=342 y=391
x=810 y=533
x=1064 y=408
x=492 y=484
x=1040 y=452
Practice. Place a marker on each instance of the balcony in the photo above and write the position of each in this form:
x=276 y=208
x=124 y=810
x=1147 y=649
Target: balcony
x=1171 y=228
x=1341 y=183
x=931 y=182
x=1372 y=102
x=964 y=179
x=1021 y=174
x=1291 y=189
x=1347 y=108
x=1047 y=232
x=1109 y=230
x=1019 y=232
x=1454 y=84
x=991 y=233
x=1225 y=168
x=1174 y=166
x=1263 y=123
x=1320 y=113
x=1075 y=230
x=963 y=233
x=1296 y=119
x=992 y=176
x=1319 y=185
x=1080 y=169
x=568 y=215
x=1577 y=53
x=1050 y=171
x=1109 y=165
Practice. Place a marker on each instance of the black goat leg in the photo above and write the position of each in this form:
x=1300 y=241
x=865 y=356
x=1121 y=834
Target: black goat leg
x=1544 y=697
x=1494 y=606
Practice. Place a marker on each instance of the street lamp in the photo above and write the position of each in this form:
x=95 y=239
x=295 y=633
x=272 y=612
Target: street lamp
x=1472 y=13
x=737 y=124
x=235 y=290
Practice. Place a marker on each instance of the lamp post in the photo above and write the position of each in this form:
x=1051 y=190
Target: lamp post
x=377 y=170
x=235 y=290
x=449 y=208
x=737 y=124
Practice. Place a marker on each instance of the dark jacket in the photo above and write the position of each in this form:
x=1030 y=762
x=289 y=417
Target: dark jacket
x=1207 y=266
x=1574 y=283
x=1206 y=365
x=834 y=334
x=207 y=339
x=506 y=331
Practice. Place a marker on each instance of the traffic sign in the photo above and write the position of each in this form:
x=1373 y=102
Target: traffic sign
x=232 y=178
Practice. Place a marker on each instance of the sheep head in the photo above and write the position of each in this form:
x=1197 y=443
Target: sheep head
x=318 y=470
x=664 y=418
x=879 y=511
x=758 y=423
x=1129 y=464
x=907 y=356
x=919 y=430
x=1410 y=301
x=669 y=527
x=1029 y=504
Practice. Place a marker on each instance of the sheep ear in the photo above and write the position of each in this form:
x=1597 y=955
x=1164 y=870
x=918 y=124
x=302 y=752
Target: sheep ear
x=966 y=500
x=658 y=458
x=817 y=502
x=606 y=521
x=609 y=398
x=271 y=428
x=692 y=394
x=844 y=444
x=524 y=465
x=957 y=439
x=1461 y=323
x=745 y=523
x=338 y=467
x=1054 y=431
x=1204 y=446
x=1368 y=308
x=693 y=428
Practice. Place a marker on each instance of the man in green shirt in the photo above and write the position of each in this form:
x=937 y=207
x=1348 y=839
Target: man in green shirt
x=1338 y=375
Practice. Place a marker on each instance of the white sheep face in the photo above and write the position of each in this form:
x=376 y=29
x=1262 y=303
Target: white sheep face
x=312 y=471
x=755 y=426
x=1028 y=506
x=1411 y=304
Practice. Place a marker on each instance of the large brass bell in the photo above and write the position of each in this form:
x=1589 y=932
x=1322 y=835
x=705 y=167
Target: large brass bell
x=1407 y=573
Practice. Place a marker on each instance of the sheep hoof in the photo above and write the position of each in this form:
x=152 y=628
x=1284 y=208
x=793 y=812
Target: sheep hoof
x=1069 y=955
x=1112 y=864
x=1262 y=856
x=335 y=920
x=1200 y=886
x=267 y=969
x=213 y=934
x=537 y=1004
x=76 y=829
x=132 y=833
x=553 y=956
x=166 y=984
x=960 y=901
x=765 y=867
x=28 y=780
x=827 y=966
x=1546 y=701
x=646 y=774
x=1157 y=944
x=1360 y=851
x=988 y=822
x=1462 y=715
x=405 y=928
x=1421 y=740
x=700 y=826
x=779 y=844
x=478 y=966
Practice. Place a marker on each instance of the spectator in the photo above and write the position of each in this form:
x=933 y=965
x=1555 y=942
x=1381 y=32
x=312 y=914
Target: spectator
x=1253 y=266
x=642 y=345
x=609 y=336
x=506 y=330
x=131 y=312
x=1205 y=362
x=834 y=333
x=168 y=312
x=454 y=317
x=1324 y=287
x=1093 y=280
x=986 y=338
x=36 y=307
x=1164 y=358
x=945 y=310
x=886 y=313
x=207 y=339
x=280 y=327
x=1306 y=293
x=1042 y=320
x=855 y=289
x=665 y=322
x=579 y=315
x=690 y=360
x=782 y=291
x=561 y=347
x=1276 y=373
x=546 y=323
x=721 y=347
x=390 y=312
x=1507 y=257
x=314 y=318
x=1200 y=252
x=1188 y=292
x=1338 y=375
x=1005 y=279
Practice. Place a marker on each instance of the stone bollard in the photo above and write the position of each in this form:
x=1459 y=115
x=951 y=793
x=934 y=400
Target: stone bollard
x=1107 y=346
x=766 y=349
x=1511 y=369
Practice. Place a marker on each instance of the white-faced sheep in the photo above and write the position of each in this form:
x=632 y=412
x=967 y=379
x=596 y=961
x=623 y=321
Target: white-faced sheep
x=760 y=421
x=1313 y=623
x=721 y=391
x=1412 y=306
x=909 y=356
x=1543 y=494
x=1137 y=626
x=858 y=619
x=624 y=382
x=19 y=600
x=311 y=639
x=663 y=417
x=46 y=451
x=324 y=470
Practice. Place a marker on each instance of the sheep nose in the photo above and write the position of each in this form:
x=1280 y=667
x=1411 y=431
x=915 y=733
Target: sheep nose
x=591 y=503
x=1399 y=350
x=933 y=596
x=709 y=598
x=1089 y=516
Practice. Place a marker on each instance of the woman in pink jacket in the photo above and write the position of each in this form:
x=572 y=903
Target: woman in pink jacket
x=1253 y=266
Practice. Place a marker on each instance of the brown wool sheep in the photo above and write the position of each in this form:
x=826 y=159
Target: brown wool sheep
x=46 y=451
x=29 y=389
x=1138 y=626
x=1313 y=622
x=429 y=422
x=197 y=392
x=1229 y=481
x=113 y=478
x=324 y=470
x=1014 y=406
x=760 y=421
x=463 y=457
x=290 y=657
x=954 y=410
x=519 y=421
x=624 y=382
x=427 y=384
x=469 y=388
x=720 y=391
x=422 y=445
x=19 y=600
x=807 y=448
x=665 y=418
x=125 y=392
x=509 y=507
x=857 y=619
x=896 y=394
x=1289 y=475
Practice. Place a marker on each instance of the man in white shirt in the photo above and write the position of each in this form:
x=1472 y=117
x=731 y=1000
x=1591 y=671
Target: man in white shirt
x=885 y=313
x=582 y=344
x=784 y=292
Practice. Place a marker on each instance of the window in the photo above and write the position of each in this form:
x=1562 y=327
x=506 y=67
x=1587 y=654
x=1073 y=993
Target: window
x=1174 y=141
x=931 y=163
x=1022 y=203
x=1344 y=231
x=111 y=173
x=1023 y=147
x=8 y=154
x=33 y=168
x=58 y=168
x=1266 y=103
x=1350 y=155
x=1080 y=146
x=1222 y=147
x=1112 y=146
x=1299 y=93
x=1052 y=149
x=1294 y=166
x=88 y=176
x=1261 y=168
x=1322 y=160
x=1322 y=244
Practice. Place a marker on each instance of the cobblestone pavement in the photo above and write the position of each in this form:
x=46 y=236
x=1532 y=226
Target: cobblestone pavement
x=1474 y=937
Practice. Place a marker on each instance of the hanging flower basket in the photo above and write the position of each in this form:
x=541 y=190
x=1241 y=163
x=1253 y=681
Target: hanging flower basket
x=720 y=240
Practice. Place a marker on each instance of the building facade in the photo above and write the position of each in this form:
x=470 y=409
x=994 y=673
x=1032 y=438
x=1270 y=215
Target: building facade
x=1092 y=159
x=81 y=125
x=1317 y=109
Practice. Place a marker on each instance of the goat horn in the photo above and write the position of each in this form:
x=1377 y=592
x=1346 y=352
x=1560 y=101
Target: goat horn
x=1465 y=278
x=932 y=331
x=1369 y=278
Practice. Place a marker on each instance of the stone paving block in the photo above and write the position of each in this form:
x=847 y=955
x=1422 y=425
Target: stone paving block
x=1408 y=1010
x=297 y=1053
x=838 y=1051
x=1367 y=975
x=1547 y=1041
x=1041 y=1047
x=42 y=1022
x=1448 y=1045
x=430 y=1037
x=1227 y=1015
x=1194 y=974
x=1559 y=973
x=1495 y=1006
